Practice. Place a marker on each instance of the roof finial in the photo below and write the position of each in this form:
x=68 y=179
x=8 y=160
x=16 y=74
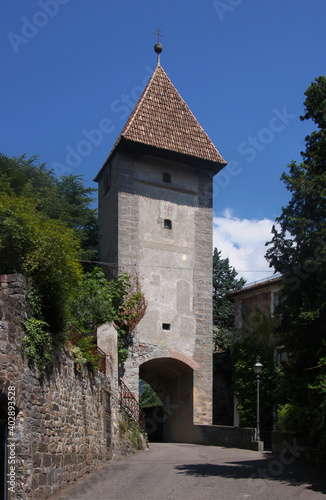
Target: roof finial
x=158 y=46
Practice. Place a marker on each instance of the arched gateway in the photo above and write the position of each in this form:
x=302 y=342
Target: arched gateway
x=171 y=374
x=155 y=221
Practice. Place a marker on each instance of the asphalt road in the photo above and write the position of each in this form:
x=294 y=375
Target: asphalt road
x=195 y=472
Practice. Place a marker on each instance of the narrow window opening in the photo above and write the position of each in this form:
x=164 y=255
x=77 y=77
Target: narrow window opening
x=166 y=177
x=167 y=224
x=166 y=326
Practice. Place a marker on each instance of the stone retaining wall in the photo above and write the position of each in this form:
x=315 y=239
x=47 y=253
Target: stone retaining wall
x=230 y=437
x=66 y=426
x=292 y=448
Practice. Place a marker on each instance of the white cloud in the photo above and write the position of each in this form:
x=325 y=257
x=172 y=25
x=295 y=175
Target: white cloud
x=243 y=242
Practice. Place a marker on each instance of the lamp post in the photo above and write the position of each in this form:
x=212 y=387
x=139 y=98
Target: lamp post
x=257 y=369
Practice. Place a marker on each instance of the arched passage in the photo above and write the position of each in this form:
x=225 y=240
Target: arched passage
x=172 y=379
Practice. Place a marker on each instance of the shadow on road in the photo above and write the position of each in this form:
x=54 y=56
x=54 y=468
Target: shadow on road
x=268 y=468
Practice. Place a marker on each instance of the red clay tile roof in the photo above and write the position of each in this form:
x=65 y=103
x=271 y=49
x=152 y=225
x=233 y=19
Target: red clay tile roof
x=162 y=119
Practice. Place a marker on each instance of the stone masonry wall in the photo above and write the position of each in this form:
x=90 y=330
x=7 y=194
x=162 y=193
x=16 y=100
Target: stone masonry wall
x=203 y=316
x=66 y=425
x=174 y=266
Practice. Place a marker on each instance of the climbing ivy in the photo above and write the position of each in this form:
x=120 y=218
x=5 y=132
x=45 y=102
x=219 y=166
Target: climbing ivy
x=37 y=342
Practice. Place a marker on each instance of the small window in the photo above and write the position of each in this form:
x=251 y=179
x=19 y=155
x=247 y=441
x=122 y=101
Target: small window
x=166 y=177
x=167 y=224
x=166 y=326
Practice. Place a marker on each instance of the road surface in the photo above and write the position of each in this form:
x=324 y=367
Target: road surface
x=194 y=472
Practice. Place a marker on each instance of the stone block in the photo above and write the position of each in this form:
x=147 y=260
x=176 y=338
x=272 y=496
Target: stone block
x=47 y=460
x=42 y=479
x=39 y=492
x=37 y=460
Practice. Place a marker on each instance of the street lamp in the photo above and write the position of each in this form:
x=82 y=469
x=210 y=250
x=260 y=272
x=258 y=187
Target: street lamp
x=257 y=369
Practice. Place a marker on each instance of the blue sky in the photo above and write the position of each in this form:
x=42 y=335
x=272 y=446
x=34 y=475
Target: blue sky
x=242 y=66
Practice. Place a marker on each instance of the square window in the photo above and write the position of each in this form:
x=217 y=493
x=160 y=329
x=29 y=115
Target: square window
x=166 y=326
x=166 y=177
x=167 y=224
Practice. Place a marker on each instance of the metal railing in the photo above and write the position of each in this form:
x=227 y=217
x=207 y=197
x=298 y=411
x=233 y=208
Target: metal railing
x=130 y=405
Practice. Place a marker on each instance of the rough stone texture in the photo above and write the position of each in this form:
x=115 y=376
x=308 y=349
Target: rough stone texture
x=108 y=208
x=61 y=429
x=230 y=437
x=107 y=341
x=175 y=271
x=203 y=315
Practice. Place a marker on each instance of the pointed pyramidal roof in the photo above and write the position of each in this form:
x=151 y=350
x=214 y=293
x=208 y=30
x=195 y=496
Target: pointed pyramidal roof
x=162 y=121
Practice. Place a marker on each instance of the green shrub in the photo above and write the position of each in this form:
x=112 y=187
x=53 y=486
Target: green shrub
x=135 y=436
x=37 y=342
x=292 y=419
x=42 y=249
x=96 y=301
x=123 y=427
x=129 y=429
x=85 y=352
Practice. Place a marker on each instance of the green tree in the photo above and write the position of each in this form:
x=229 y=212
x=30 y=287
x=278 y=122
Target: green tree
x=147 y=395
x=21 y=171
x=41 y=248
x=298 y=251
x=70 y=201
x=224 y=281
x=46 y=228
x=66 y=199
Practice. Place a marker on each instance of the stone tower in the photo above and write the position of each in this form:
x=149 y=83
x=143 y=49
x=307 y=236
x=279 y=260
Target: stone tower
x=155 y=221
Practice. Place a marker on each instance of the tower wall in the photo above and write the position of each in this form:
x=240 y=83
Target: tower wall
x=174 y=264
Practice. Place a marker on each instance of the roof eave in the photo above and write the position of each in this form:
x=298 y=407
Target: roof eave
x=255 y=287
x=138 y=149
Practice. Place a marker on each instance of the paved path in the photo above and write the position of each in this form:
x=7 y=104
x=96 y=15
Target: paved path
x=195 y=472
